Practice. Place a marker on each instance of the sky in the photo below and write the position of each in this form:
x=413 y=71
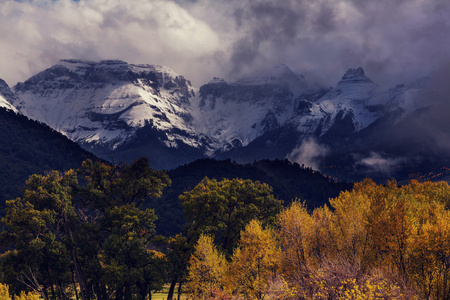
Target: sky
x=395 y=41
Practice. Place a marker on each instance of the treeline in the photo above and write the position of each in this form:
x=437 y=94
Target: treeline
x=288 y=180
x=86 y=234
x=374 y=242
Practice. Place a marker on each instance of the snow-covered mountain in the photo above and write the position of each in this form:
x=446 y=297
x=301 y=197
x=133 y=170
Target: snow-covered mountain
x=234 y=114
x=7 y=98
x=112 y=108
x=101 y=105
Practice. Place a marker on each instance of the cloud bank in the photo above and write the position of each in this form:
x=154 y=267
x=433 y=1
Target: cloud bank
x=394 y=40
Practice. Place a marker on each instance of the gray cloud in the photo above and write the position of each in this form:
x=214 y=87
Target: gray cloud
x=267 y=24
x=395 y=41
x=308 y=154
x=376 y=162
x=35 y=36
x=431 y=128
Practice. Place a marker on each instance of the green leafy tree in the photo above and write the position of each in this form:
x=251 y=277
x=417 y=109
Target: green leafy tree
x=37 y=225
x=177 y=255
x=223 y=208
x=90 y=231
x=124 y=254
x=110 y=202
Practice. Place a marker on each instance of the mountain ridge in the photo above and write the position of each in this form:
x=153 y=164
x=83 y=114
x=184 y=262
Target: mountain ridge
x=120 y=111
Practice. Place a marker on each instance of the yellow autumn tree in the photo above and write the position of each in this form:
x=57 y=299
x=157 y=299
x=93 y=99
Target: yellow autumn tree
x=296 y=239
x=348 y=233
x=389 y=224
x=375 y=242
x=407 y=234
x=304 y=241
x=254 y=263
x=206 y=269
x=430 y=252
x=4 y=294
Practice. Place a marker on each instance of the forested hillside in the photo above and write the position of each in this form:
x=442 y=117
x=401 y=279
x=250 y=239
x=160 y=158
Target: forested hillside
x=28 y=147
x=289 y=181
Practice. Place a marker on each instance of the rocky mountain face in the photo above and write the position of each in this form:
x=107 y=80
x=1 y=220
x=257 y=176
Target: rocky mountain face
x=121 y=111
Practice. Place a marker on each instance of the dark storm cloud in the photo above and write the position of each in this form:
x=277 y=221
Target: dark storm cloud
x=432 y=127
x=265 y=22
x=393 y=41
x=325 y=20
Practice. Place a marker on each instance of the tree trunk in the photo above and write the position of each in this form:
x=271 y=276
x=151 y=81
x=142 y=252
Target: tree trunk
x=143 y=290
x=171 y=289
x=79 y=275
x=74 y=285
x=78 y=272
x=179 y=290
x=52 y=289
x=119 y=293
x=128 y=295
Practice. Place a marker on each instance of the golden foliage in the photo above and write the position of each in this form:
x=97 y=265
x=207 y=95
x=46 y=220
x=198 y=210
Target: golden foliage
x=206 y=269
x=254 y=263
x=4 y=294
x=376 y=242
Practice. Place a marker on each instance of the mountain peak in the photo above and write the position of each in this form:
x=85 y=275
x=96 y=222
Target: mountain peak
x=358 y=72
x=280 y=75
x=217 y=80
x=7 y=98
x=82 y=67
x=355 y=76
x=88 y=62
x=76 y=71
x=277 y=74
